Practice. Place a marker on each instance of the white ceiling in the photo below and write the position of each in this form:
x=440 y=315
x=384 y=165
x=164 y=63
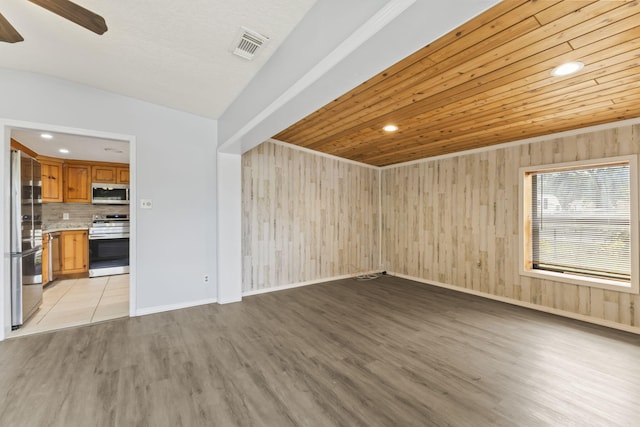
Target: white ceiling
x=80 y=147
x=171 y=53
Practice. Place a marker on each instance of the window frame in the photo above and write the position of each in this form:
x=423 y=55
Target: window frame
x=525 y=220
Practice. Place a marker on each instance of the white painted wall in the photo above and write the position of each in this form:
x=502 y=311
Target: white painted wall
x=229 y=228
x=175 y=167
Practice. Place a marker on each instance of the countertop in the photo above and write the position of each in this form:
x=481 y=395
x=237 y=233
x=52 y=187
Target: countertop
x=65 y=226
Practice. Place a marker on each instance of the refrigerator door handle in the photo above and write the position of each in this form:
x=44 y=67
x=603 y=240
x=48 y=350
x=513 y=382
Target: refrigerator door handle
x=16 y=197
x=16 y=290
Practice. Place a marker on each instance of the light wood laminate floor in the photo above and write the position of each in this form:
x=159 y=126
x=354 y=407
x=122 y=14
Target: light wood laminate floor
x=74 y=302
x=388 y=352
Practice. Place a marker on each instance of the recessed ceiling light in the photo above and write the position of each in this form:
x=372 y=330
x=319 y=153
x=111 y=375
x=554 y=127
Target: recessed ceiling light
x=46 y=135
x=63 y=150
x=390 y=128
x=567 y=68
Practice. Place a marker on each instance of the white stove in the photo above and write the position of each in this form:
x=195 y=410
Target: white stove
x=109 y=245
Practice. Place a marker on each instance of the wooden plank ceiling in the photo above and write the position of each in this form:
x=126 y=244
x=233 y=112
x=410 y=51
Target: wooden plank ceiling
x=488 y=82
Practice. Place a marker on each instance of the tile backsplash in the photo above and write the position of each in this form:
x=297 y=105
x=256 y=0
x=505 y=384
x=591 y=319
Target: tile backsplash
x=81 y=213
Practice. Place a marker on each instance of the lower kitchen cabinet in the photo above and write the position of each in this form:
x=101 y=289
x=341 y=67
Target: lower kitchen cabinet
x=45 y=259
x=75 y=251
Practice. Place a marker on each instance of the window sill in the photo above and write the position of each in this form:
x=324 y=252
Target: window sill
x=611 y=285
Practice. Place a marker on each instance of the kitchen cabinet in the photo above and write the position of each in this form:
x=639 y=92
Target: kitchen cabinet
x=51 y=180
x=45 y=259
x=75 y=251
x=77 y=183
x=110 y=174
x=103 y=174
x=122 y=175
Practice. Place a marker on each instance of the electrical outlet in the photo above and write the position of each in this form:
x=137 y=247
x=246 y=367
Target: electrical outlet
x=65 y=215
x=206 y=278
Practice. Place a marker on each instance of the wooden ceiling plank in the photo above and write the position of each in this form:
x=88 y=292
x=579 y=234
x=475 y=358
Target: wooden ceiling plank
x=397 y=77
x=498 y=131
x=473 y=41
x=628 y=96
x=520 y=132
x=499 y=90
x=451 y=37
x=470 y=124
x=342 y=124
x=544 y=106
x=608 y=31
x=319 y=118
x=463 y=111
x=566 y=29
x=568 y=121
x=584 y=53
x=523 y=100
x=470 y=88
x=487 y=45
x=604 y=56
x=534 y=130
x=470 y=26
x=561 y=9
x=491 y=61
x=394 y=74
x=621 y=75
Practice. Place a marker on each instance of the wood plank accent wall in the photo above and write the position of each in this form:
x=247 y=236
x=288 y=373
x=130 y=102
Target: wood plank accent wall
x=455 y=221
x=306 y=217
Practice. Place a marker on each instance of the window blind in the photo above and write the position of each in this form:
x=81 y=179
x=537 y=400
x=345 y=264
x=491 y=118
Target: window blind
x=581 y=221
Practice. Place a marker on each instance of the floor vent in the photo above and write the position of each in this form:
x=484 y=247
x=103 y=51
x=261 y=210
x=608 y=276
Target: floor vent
x=248 y=43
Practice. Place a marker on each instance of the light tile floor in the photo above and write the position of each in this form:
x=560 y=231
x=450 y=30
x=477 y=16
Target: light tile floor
x=75 y=302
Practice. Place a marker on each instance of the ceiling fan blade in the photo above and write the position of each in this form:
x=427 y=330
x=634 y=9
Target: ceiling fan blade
x=7 y=32
x=75 y=13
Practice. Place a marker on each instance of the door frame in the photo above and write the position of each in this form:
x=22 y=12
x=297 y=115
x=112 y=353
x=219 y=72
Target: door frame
x=6 y=126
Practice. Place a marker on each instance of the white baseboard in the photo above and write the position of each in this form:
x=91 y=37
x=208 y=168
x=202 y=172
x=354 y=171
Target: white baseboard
x=551 y=310
x=170 y=307
x=307 y=283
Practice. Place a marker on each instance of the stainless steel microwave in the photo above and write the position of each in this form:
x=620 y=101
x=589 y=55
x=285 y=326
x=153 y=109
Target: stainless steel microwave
x=109 y=194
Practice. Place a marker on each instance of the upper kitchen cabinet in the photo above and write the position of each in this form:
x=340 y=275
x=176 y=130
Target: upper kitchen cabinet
x=110 y=174
x=102 y=173
x=77 y=183
x=122 y=174
x=51 y=180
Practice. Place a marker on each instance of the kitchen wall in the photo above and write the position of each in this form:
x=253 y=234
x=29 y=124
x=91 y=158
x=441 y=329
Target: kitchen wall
x=79 y=213
x=306 y=217
x=455 y=221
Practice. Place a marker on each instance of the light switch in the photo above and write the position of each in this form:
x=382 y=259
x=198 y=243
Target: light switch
x=146 y=203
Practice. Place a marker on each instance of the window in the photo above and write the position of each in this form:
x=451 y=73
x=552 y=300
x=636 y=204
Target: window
x=579 y=223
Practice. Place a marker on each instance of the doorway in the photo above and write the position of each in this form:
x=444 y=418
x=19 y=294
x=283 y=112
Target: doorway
x=71 y=298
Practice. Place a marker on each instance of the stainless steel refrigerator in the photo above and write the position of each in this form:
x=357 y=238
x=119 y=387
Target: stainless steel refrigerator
x=26 y=237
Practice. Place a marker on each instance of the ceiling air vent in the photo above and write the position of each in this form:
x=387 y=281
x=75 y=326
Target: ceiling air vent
x=248 y=42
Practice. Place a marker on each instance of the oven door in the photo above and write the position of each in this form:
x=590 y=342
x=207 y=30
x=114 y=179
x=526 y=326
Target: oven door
x=108 y=255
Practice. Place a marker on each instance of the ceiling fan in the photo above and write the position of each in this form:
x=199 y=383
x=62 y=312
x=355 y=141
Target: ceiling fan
x=64 y=8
